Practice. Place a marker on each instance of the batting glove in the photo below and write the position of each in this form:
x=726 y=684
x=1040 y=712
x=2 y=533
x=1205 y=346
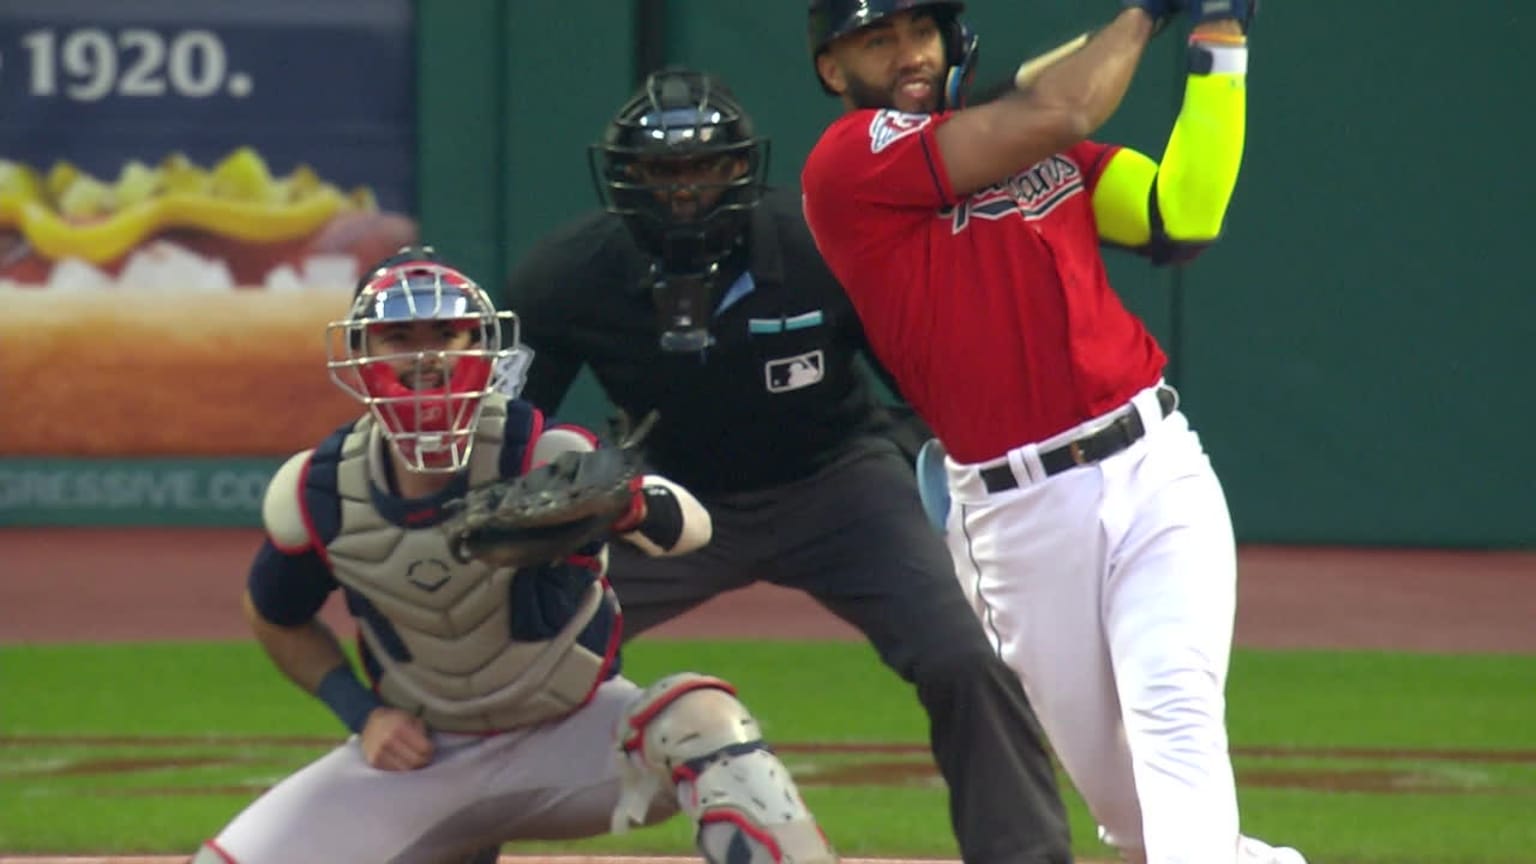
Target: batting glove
x=1162 y=11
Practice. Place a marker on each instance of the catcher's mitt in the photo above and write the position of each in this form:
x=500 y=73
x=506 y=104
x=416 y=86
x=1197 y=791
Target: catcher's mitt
x=549 y=512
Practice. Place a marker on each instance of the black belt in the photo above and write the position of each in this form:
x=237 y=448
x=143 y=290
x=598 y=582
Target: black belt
x=1121 y=433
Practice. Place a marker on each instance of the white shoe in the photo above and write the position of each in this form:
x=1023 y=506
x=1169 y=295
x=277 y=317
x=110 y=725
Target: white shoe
x=1250 y=850
x=1254 y=851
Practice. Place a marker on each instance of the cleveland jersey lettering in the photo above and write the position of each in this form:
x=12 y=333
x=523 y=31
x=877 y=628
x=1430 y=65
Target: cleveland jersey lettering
x=1031 y=194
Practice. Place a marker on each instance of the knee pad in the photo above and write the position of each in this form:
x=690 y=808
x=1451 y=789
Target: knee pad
x=690 y=732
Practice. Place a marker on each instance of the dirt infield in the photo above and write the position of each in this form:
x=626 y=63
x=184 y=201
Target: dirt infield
x=162 y=584
x=831 y=763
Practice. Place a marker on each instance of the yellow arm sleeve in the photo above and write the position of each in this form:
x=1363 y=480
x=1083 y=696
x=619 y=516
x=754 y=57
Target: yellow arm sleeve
x=1120 y=199
x=1171 y=211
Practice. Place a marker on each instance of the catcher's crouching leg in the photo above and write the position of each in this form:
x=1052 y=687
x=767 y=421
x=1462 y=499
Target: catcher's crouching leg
x=689 y=731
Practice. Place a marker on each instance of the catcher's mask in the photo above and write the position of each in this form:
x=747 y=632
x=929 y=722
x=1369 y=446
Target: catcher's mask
x=681 y=163
x=830 y=20
x=424 y=385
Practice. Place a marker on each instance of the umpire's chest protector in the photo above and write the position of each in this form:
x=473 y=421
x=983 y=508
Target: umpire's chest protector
x=441 y=631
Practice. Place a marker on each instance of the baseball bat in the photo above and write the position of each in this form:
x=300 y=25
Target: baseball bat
x=1031 y=68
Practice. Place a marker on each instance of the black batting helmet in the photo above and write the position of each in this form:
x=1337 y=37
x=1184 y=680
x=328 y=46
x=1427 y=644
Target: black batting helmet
x=681 y=117
x=831 y=19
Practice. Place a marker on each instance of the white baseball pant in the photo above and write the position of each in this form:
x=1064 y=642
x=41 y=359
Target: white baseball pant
x=1110 y=588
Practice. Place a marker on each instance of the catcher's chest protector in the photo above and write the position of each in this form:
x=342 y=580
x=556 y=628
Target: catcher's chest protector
x=446 y=651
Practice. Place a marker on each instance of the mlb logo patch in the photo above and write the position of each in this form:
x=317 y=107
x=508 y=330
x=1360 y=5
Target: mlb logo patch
x=793 y=373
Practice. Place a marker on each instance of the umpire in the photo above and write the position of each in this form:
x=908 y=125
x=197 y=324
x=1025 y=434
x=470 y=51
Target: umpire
x=697 y=293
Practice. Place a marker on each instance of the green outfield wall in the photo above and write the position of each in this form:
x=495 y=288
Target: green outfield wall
x=1355 y=350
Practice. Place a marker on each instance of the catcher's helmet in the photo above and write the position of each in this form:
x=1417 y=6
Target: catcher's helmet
x=831 y=19
x=682 y=135
x=430 y=425
x=404 y=255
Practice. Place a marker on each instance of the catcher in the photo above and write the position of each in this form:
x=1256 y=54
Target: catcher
x=468 y=537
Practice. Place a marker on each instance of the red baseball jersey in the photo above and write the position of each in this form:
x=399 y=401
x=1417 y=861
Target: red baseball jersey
x=993 y=312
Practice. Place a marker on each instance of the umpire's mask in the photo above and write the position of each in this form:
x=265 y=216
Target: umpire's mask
x=681 y=164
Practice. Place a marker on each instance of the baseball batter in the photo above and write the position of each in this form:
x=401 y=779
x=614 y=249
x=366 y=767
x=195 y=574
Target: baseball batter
x=496 y=710
x=1087 y=526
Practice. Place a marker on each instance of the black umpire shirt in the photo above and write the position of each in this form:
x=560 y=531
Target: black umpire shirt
x=776 y=397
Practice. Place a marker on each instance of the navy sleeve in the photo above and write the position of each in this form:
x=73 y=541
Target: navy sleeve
x=289 y=589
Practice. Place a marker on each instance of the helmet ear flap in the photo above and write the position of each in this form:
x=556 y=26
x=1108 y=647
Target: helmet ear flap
x=962 y=48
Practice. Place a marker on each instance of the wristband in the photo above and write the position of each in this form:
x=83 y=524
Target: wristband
x=347 y=698
x=663 y=524
x=1208 y=57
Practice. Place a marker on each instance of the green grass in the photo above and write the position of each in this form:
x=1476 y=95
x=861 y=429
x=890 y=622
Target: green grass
x=1312 y=698
x=1458 y=808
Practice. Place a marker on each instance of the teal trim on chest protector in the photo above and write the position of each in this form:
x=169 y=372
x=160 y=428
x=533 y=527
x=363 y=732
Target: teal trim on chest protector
x=779 y=325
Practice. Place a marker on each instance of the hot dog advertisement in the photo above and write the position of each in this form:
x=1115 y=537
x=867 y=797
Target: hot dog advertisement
x=189 y=190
